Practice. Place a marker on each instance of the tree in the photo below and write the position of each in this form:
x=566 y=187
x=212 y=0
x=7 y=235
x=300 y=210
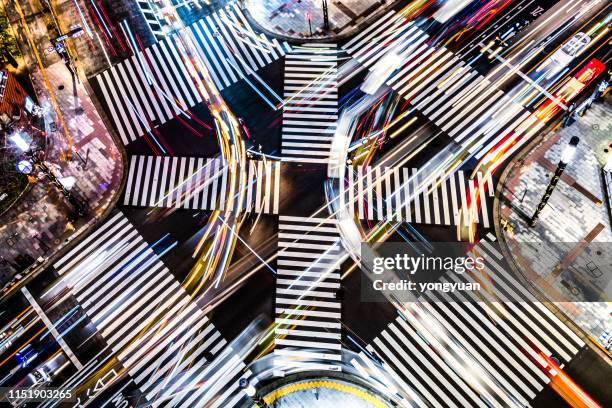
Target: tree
x=8 y=43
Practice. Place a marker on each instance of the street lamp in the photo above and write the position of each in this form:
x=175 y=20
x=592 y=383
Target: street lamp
x=309 y=18
x=325 y=16
x=567 y=156
x=250 y=390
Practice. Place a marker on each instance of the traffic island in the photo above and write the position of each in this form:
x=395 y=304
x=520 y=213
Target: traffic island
x=565 y=253
x=281 y=379
x=301 y=390
x=313 y=20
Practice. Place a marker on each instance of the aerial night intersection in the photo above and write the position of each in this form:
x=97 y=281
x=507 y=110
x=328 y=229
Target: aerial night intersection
x=305 y=203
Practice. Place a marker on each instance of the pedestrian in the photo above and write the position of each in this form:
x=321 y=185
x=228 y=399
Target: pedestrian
x=586 y=105
x=601 y=90
x=568 y=119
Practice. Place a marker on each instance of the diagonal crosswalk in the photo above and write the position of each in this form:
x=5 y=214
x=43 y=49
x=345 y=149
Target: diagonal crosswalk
x=198 y=183
x=149 y=14
x=386 y=193
x=230 y=48
x=160 y=82
x=148 y=89
x=310 y=112
x=142 y=312
x=308 y=311
x=455 y=97
x=430 y=345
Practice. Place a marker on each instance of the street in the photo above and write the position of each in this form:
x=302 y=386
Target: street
x=220 y=196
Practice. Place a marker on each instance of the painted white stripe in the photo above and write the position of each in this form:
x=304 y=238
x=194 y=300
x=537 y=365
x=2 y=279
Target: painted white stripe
x=414 y=367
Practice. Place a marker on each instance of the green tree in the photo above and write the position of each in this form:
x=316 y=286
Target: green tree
x=8 y=44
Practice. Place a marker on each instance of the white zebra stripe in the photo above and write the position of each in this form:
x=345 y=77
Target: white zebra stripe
x=188 y=184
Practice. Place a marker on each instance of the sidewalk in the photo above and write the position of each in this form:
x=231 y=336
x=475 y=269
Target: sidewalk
x=567 y=254
x=289 y=18
x=38 y=225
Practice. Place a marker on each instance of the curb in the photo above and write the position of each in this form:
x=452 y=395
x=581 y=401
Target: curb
x=17 y=199
x=81 y=233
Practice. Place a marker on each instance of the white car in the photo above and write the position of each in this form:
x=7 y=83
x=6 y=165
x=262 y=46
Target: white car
x=561 y=58
x=571 y=49
x=39 y=376
x=449 y=9
x=380 y=72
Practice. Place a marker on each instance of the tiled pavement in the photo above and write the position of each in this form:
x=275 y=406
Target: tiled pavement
x=38 y=224
x=572 y=217
x=325 y=393
x=42 y=212
x=289 y=17
x=87 y=47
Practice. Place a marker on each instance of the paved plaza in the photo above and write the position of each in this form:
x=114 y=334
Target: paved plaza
x=38 y=224
x=290 y=17
x=326 y=393
x=567 y=252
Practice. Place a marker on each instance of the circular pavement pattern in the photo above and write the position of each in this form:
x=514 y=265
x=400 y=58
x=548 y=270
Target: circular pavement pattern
x=323 y=393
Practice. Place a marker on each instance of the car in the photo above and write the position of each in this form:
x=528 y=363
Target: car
x=570 y=89
x=449 y=9
x=39 y=376
x=380 y=72
x=571 y=49
x=25 y=356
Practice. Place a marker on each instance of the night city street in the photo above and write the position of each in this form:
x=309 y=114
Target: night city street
x=305 y=203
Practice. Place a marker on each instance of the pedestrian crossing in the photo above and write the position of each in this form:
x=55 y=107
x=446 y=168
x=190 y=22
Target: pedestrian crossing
x=214 y=384
x=230 y=48
x=199 y=183
x=406 y=194
x=310 y=112
x=308 y=311
x=162 y=81
x=148 y=89
x=466 y=105
x=431 y=342
x=158 y=333
x=149 y=13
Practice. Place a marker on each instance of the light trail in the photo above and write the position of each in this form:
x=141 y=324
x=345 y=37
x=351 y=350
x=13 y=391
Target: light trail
x=228 y=229
x=248 y=81
x=234 y=153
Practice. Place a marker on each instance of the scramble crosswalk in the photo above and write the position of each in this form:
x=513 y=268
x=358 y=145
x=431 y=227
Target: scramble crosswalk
x=447 y=91
x=161 y=82
x=310 y=112
x=308 y=311
x=198 y=183
x=431 y=342
x=402 y=193
x=160 y=335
